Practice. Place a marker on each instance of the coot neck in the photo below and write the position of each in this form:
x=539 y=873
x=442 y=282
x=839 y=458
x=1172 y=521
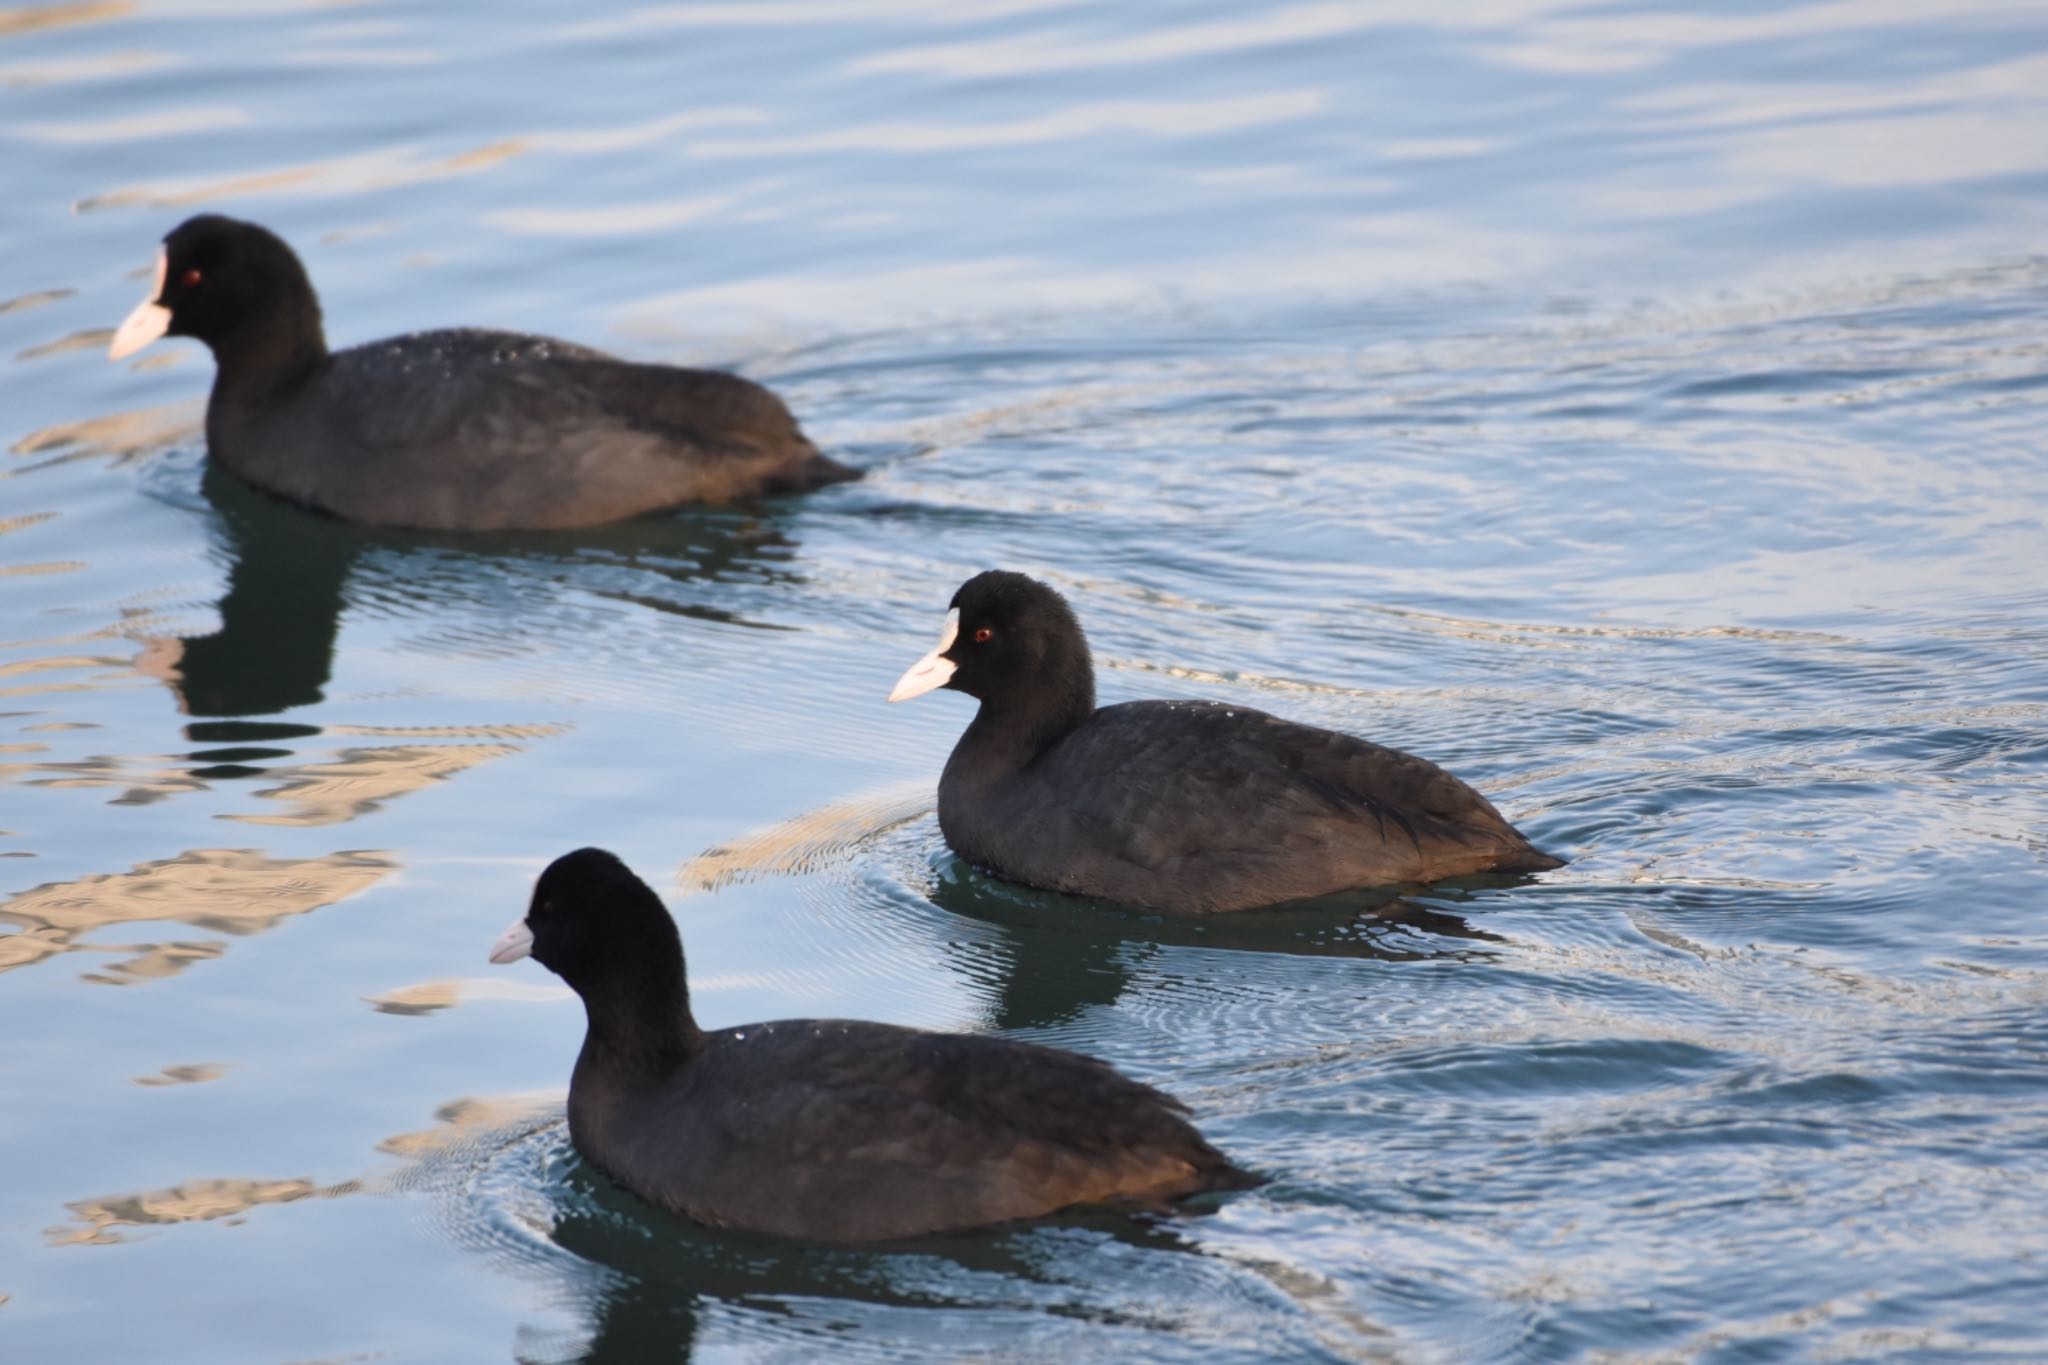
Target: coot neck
x=270 y=352
x=1019 y=723
x=639 y=1020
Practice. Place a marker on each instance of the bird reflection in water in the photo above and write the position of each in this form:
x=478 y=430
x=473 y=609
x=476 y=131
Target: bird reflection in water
x=1064 y=956
x=278 y=618
x=291 y=577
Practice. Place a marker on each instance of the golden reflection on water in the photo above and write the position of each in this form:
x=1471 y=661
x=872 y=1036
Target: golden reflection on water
x=153 y=961
x=30 y=18
x=23 y=521
x=195 y=1201
x=193 y=1073
x=97 y=1221
x=459 y=1120
x=809 y=841
x=140 y=786
x=21 y=303
x=359 y=781
x=512 y=730
x=85 y=339
x=335 y=789
x=120 y=434
x=231 y=891
x=30 y=669
x=426 y=997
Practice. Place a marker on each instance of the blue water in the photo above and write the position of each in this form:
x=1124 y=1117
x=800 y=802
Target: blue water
x=1638 y=410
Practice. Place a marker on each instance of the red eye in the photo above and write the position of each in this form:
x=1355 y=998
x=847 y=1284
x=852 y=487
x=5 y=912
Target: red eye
x=983 y=636
x=191 y=276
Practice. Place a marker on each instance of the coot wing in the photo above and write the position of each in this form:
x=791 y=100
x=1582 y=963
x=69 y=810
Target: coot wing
x=443 y=393
x=1170 y=781
x=889 y=1085
x=711 y=407
x=474 y=429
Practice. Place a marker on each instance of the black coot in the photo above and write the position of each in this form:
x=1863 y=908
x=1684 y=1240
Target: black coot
x=458 y=430
x=1175 y=805
x=830 y=1130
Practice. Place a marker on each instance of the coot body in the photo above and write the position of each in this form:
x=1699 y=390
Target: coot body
x=830 y=1130
x=1181 y=806
x=458 y=430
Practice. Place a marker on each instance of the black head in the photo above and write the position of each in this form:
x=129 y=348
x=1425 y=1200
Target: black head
x=598 y=927
x=233 y=285
x=1014 y=643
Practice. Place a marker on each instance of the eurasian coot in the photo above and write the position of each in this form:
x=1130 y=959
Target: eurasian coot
x=1174 y=805
x=830 y=1130
x=458 y=430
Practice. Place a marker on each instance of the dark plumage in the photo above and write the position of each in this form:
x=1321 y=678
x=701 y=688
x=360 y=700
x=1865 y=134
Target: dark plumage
x=830 y=1130
x=1175 y=805
x=458 y=430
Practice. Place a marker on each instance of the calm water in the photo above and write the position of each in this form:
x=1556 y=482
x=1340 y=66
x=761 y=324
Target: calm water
x=1638 y=409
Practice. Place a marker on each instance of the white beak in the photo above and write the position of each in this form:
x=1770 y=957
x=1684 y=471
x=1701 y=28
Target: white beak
x=933 y=669
x=513 y=944
x=149 y=321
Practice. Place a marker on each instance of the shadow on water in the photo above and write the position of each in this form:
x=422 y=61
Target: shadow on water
x=293 y=574
x=1064 y=954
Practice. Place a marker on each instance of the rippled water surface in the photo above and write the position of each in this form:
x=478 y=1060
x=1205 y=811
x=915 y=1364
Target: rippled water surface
x=1637 y=408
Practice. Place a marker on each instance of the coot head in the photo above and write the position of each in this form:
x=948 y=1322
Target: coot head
x=1008 y=640
x=601 y=929
x=233 y=285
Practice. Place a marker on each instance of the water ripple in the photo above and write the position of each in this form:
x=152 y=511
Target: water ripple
x=1636 y=410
